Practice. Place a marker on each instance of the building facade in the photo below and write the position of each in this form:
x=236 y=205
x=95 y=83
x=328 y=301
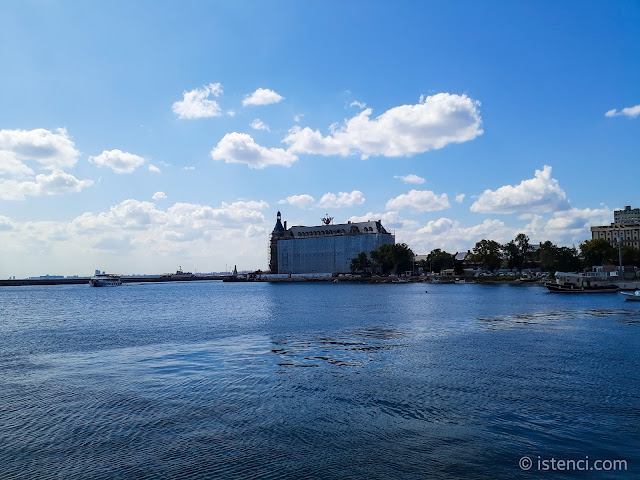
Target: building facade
x=325 y=248
x=626 y=226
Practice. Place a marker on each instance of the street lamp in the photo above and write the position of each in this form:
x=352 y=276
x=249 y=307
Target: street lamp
x=619 y=240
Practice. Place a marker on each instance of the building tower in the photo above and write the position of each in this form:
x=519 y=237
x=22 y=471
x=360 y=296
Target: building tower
x=277 y=234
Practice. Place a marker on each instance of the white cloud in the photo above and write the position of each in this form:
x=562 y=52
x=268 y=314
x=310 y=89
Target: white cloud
x=631 y=112
x=389 y=220
x=181 y=217
x=411 y=178
x=298 y=117
x=300 y=201
x=154 y=169
x=11 y=166
x=231 y=113
x=188 y=168
x=197 y=104
x=241 y=148
x=355 y=103
x=159 y=196
x=452 y=237
x=460 y=198
x=5 y=224
x=52 y=150
x=138 y=237
x=401 y=131
x=539 y=194
x=258 y=124
x=571 y=226
x=342 y=199
x=55 y=183
x=117 y=160
x=262 y=96
x=419 y=200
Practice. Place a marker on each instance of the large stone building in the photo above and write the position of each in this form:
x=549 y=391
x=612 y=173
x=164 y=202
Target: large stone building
x=325 y=248
x=626 y=226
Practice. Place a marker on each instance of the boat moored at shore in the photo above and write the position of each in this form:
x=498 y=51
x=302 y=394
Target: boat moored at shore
x=591 y=282
x=631 y=297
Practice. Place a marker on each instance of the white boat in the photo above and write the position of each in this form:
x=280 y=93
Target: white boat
x=631 y=297
x=105 y=280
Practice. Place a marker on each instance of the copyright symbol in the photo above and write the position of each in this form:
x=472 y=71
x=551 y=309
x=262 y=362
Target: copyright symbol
x=525 y=463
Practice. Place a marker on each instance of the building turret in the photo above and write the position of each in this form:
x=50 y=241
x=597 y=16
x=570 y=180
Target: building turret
x=278 y=232
x=278 y=228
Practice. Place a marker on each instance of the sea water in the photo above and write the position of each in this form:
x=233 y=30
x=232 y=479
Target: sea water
x=203 y=380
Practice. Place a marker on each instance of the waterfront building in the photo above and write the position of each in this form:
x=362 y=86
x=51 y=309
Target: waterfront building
x=325 y=248
x=626 y=226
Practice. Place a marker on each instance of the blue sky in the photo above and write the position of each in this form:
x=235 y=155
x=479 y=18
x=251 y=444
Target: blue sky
x=139 y=136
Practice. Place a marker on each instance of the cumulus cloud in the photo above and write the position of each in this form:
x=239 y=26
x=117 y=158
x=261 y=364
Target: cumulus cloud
x=53 y=150
x=570 y=226
x=298 y=117
x=342 y=199
x=389 y=219
x=55 y=183
x=146 y=238
x=460 y=198
x=198 y=104
x=539 y=194
x=355 y=103
x=262 y=96
x=419 y=200
x=258 y=124
x=631 y=112
x=300 y=201
x=401 y=131
x=241 y=148
x=154 y=169
x=411 y=178
x=183 y=218
x=159 y=196
x=451 y=236
x=117 y=160
x=11 y=166
x=188 y=168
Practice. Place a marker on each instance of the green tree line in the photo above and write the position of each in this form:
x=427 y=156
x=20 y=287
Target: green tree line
x=490 y=255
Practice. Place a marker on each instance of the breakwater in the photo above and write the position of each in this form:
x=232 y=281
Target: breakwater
x=82 y=280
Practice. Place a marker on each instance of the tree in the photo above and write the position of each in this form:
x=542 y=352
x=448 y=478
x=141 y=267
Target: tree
x=439 y=260
x=553 y=258
x=360 y=264
x=487 y=253
x=513 y=255
x=598 y=252
x=393 y=258
x=522 y=241
x=630 y=255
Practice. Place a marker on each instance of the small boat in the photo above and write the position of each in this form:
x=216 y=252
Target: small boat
x=105 y=280
x=631 y=297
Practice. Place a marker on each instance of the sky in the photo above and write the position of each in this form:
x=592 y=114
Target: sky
x=139 y=136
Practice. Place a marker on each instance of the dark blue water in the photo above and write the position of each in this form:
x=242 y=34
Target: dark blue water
x=212 y=380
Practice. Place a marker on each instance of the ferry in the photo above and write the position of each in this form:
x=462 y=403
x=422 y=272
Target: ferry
x=105 y=280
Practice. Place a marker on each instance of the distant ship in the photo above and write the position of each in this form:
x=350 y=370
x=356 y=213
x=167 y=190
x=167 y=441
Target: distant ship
x=179 y=274
x=105 y=280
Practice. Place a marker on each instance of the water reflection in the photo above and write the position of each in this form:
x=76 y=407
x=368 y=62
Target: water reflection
x=350 y=348
x=556 y=317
